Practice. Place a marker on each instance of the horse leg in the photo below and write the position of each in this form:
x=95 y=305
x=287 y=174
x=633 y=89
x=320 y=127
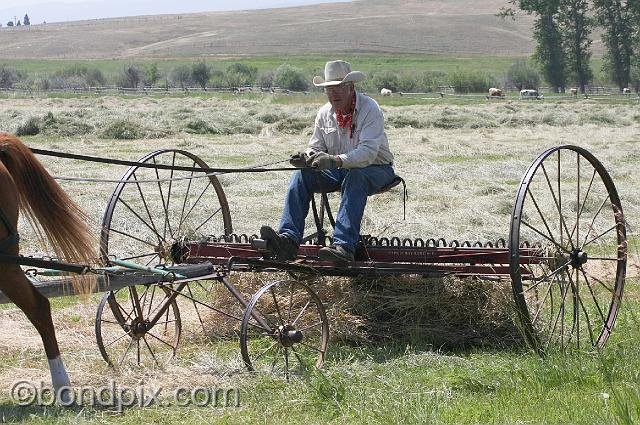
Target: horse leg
x=37 y=308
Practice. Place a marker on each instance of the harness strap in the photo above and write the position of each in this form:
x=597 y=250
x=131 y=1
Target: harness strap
x=13 y=238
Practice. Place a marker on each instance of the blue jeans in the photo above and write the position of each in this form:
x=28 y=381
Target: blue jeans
x=355 y=185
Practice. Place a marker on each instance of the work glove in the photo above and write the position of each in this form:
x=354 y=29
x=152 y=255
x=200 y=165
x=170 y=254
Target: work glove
x=323 y=161
x=302 y=159
x=299 y=159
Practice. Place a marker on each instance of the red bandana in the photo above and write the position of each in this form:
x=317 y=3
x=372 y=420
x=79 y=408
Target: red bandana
x=346 y=119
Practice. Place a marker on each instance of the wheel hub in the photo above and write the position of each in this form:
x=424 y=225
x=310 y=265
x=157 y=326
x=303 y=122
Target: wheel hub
x=288 y=335
x=578 y=258
x=139 y=328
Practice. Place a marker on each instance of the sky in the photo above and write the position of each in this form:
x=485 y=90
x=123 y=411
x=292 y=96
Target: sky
x=73 y=10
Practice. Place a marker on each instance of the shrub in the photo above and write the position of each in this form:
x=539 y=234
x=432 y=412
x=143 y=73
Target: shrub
x=31 y=127
x=8 y=77
x=265 y=79
x=200 y=74
x=121 y=130
x=471 y=81
x=180 y=76
x=82 y=75
x=291 y=78
x=130 y=77
x=247 y=72
x=386 y=79
x=523 y=76
x=151 y=74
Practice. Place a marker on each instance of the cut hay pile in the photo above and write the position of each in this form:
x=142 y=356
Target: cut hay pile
x=444 y=313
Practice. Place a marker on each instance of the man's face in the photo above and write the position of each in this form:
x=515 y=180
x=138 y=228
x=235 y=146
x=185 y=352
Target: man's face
x=340 y=96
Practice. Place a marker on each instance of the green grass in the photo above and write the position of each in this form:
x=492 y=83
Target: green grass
x=400 y=384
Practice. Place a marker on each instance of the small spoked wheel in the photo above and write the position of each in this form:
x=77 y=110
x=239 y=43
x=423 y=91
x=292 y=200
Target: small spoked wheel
x=138 y=326
x=153 y=209
x=569 y=276
x=284 y=330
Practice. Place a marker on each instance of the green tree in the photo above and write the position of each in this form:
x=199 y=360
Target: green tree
x=201 y=73
x=523 y=76
x=151 y=74
x=619 y=19
x=547 y=32
x=131 y=76
x=181 y=76
x=290 y=77
x=10 y=23
x=576 y=28
x=8 y=77
x=26 y=20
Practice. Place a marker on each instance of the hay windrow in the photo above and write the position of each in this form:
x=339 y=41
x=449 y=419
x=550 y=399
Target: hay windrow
x=445 y=312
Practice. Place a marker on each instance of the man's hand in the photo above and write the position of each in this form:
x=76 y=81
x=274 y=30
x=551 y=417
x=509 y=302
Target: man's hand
x=299 y=160
x=324 y=161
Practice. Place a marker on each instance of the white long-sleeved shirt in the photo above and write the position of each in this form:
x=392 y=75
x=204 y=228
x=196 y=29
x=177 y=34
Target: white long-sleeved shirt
x=366 y=146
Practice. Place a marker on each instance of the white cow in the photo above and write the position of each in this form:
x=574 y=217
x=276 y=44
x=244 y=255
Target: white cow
x=626 y=90
x=385 y=92
x=574 y=91
x=530 y=94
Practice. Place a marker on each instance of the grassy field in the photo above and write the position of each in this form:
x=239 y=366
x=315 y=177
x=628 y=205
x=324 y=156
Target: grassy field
x=462 y=158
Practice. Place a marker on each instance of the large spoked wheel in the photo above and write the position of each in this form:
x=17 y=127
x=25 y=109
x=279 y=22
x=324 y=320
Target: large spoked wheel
x=138 y=326
x=284 y=329
x=152 y=209
x=568 y=283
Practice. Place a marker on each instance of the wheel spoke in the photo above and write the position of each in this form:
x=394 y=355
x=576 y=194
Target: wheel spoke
x=132 y=237
x=275 y=302
x=195 y=204
x=164 y=202
x=155 y=232
x=144 y=202
x=563 y=224
x=595 y=216
x=544 y=221
x=301 y=312
x=545 y=236
x=186 y=198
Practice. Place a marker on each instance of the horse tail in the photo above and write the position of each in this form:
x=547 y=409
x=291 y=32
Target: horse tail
x=52 y=213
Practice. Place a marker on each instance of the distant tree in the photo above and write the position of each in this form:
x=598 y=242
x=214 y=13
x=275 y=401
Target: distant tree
x=10 y=23
x=576 y=28
x=26 y=20
x=548 y=35
x=8 y=77
x=290 y=77
x=619 y=19
x=523 y=76
x=201 y=73
x=152 y=74
x=131 y=76
x=18 y=24
x=80 y=74
x=181 y=75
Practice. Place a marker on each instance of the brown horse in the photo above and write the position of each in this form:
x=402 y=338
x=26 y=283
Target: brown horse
x=26 y=186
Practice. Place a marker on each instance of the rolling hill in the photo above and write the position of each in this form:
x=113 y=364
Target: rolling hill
x=458 y=28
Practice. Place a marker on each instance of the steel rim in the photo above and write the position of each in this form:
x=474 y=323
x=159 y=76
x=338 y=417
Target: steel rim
x=124 y=333
x=568 y=294
x=284 y=330
x=144 y=219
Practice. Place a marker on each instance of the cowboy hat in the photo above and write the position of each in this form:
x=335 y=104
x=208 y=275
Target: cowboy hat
x=336 y=72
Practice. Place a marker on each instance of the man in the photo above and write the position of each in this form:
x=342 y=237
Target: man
x=348 y=151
